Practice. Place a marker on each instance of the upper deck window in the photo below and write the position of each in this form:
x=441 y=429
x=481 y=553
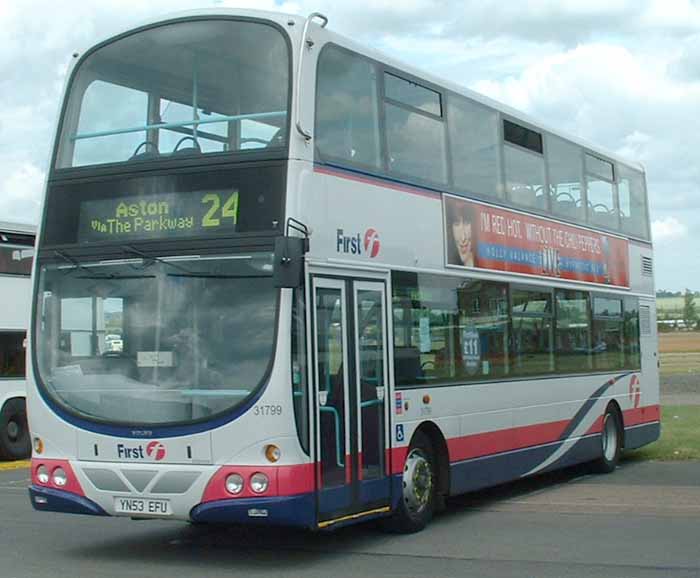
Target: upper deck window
x=524 y=166
x=475 y=150
x=178 y=90
x=565 y=165
x=600 y=177
x=412 y=94
x=415 y=131
x=633 y=205
x=347 y=113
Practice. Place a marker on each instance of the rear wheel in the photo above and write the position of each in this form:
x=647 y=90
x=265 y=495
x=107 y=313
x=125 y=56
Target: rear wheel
x=610 y=441
x=417 y=502
x=14 y=431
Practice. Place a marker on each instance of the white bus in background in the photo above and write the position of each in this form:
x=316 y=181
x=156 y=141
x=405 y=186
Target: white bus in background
x=16 y=256
x=283 y=279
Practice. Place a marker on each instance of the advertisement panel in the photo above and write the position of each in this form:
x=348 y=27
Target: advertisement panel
x=498 y=239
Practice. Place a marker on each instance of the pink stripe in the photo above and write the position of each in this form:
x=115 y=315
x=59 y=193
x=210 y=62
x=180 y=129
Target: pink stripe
x=379 y=183
x=284 y=481
x=72 y=485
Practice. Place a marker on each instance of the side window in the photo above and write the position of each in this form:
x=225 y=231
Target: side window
x=600 y=190
x=475 y=147
x=347 y=119
x=573 y=331
x=633 y=206
x=483 y=330
x=532 y=332
x=415 y=131
x=631 y=334
x=12 y=354
x=524 y=166
x=16 y=259
x=449 y=330
x=565 y=165
x=607 y=344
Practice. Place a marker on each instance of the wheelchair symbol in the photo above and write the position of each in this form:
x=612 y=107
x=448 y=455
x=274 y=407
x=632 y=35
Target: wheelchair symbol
x=399 y=432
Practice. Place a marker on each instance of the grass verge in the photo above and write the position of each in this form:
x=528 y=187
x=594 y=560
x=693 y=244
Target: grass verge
x=680 y=436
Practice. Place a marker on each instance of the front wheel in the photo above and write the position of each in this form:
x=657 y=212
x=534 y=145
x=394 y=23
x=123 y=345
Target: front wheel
x=14 y=431
x=610 y=441
x=417 y=502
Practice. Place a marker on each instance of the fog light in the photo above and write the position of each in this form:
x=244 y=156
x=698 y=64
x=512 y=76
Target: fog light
x=272 y=453
x=38 y=446
x=234 y=484
x=59 y=477
x=42 y=474
x=259 y=482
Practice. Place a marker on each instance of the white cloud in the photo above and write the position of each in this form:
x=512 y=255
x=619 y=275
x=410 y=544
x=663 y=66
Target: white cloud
x=668 y=229
x=624 y=74
x=20 y=194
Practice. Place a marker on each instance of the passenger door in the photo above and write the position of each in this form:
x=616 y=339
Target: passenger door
x=351 y=389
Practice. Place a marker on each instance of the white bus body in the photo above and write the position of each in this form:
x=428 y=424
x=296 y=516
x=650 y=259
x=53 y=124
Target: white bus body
x=389 y=375
x=16 y=251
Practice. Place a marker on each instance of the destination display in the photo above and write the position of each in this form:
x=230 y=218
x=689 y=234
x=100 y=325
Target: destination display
x=172 y=206
x=159 y=216
x=492 y=238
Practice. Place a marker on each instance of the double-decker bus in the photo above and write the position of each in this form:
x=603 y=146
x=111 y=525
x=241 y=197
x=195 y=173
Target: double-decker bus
x=283 y=279
x=16 y=255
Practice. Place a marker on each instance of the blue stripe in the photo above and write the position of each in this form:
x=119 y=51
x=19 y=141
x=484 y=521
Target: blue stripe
x=50 y=500
x=149 y=432
x=283 y=511
x=341 y=171
x=488 y=471
x=641 y=435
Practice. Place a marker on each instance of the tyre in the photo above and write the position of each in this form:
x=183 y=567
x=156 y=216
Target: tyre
x=15 y=443
x=417 y=502
x=610 y=442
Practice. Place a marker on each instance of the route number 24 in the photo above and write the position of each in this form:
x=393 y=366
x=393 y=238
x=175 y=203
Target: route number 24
x=218 y=211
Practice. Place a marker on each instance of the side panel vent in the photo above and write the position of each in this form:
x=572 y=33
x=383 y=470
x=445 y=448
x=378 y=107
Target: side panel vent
x=645 y=320
x=647 y=266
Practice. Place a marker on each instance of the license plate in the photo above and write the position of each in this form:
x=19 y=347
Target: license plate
x=142 y=507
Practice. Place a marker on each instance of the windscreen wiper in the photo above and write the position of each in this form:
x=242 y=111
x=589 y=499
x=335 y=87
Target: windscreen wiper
x=77 y=265
x=152 y=259
x=218 y=276
x=90 y=274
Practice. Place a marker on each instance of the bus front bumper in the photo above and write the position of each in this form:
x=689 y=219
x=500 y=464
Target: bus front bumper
x=51 y=500
x=296 y=510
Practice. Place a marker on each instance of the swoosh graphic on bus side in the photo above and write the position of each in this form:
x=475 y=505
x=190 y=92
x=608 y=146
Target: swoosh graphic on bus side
x=571 y=429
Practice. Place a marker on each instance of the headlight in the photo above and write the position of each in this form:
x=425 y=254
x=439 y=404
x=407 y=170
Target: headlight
x=59 y=477
x=42 y=474
x=259 y=482
x=234 y=484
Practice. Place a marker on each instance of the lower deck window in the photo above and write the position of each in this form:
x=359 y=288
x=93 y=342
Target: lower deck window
x=458 y=330
x=12 y=354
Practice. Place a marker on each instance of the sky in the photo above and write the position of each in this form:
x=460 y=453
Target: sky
x=622 y=74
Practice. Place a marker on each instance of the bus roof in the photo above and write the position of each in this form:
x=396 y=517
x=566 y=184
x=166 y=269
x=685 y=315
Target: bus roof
x=369 y=52
x=22 y=228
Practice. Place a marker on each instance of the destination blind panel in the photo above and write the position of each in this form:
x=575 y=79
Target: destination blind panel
x=159 y=216
x=218 y=203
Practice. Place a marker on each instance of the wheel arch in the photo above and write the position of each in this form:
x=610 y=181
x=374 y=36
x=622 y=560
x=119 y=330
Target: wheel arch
x=12 y=396
x=614 y=406
x=437 y=440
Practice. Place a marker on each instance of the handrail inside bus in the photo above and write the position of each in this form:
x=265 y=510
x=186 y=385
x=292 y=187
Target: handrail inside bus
x=158 y=125
x=339 y=458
